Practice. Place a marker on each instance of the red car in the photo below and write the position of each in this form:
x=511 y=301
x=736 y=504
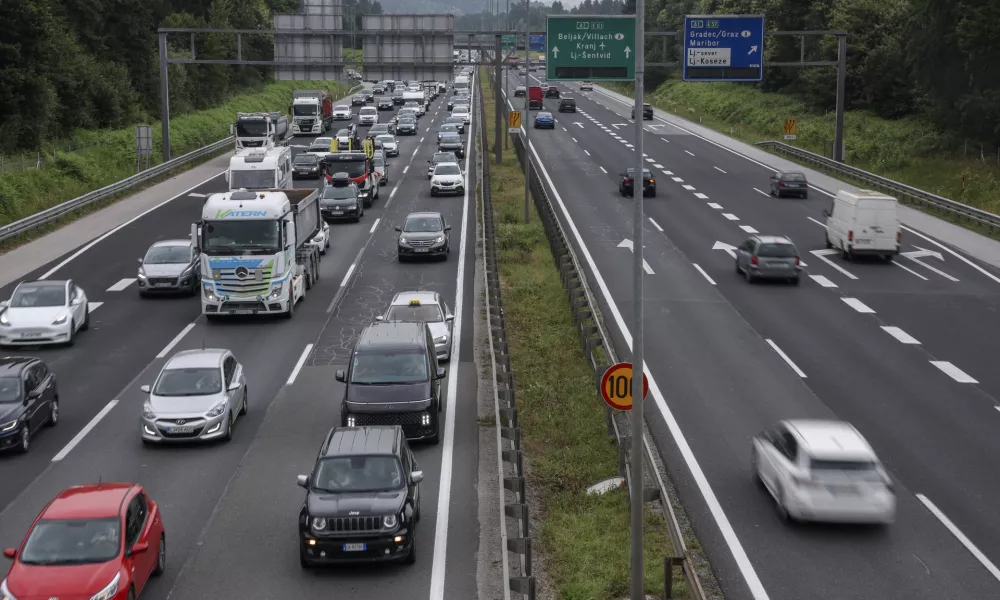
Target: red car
x=100 y=541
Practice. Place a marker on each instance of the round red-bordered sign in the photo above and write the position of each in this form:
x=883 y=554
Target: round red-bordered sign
x=616 y=386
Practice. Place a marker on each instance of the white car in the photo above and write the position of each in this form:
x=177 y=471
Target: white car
x=322 y=141
x=424 y=307
x=368 y=115
x=819 y=470
x=322 y=239
x=342 y=112
x=447 y=179
x=462 y=111
x=43 y=312
x=586 y=86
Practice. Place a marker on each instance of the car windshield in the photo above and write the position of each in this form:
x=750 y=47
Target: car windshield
x=339 y=193
x=793 y=177
x=446 y=128
x=358 y=474
x=423 y=225
x=389 y=367
x=32 y=295
x=645 y=173
x=244 y=236
x=251 y=128
x=306 y=159
x=456 y=121
x=189 y=382
x=10 y=388
x=318 y=148
x=856 y=466
x=447 y=170
x=342 y=108
x=777 y=251
x=72 y=542
x=368 y=110
x=378 y=161
x=427 y=313
x=353 y=168
x=544 y=115
x=461 y=109
x=386 y=139
x=450 y=138
x=251 y=180
x=167 y=255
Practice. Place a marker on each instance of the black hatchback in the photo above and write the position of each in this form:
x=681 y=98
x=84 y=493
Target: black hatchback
x=627 y=179
x=29 y=400
x=567 y=105
x=789 y=184
x=647 y=112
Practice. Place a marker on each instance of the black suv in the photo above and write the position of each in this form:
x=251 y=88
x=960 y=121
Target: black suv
x=552 y=92
x=647 y=112
x=362 y=499
x=384 y=103
x=358 y=100
x=394 y=379
x=29 y=400
x=452 y=143
x=567 y=105
x=341 y=199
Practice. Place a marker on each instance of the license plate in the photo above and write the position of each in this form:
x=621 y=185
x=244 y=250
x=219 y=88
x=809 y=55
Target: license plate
x=181 y=429
x=336 y=212
x=162 y=284
x=420 y=249
x=31 y=335
x=857 y=242
x=241 y=312
x=842 y=490
x=355 y=547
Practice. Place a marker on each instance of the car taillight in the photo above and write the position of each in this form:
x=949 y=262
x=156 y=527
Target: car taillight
x=798 y=261
x=754 y=261
x=651 y=181
x=781 y=185
x=805 y=185
x=899 y=236
x=850 y=236
x=627 y=180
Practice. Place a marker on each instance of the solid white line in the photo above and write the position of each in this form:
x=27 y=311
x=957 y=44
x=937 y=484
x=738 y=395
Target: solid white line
x=719 y=170
x=374 y=225
x=602 y=168
x=196 y=195
x=715 y=205
x=658 y=166
x=823 y=281
x=954 y=372
x=405 y=169
x=689 y=188
x=689 y=152
x=748 y=229
x=762 y=192
x=655 y=224
x=731 y=216
x=901 y=336
x=711 y=500
x=180 y=336
x=299 y=364
x=83 y=432
x=823 y=225
x=121 y=285
x=703 y=273
x=393 y=192
x=858 y=305
x=905 y=268
x=953 y=253
x=105 y=236
x=784 y=356
x=955 y=531
x=677 y=179
x=347 y=276
x=92 y=306
x=587 y=152
x=701 y=196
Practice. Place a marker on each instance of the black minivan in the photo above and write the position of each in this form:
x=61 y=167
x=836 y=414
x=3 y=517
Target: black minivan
x=394 y=379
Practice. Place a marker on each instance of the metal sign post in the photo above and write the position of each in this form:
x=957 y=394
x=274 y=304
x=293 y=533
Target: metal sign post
x=143 y=145
x=638 y=192
x=527 y=112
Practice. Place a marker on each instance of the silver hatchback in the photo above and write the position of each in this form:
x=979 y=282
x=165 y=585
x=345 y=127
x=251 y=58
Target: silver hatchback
x=768 y=257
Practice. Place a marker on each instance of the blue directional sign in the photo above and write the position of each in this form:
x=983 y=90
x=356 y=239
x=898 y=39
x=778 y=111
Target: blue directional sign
x=723 y=48
x=536 y=42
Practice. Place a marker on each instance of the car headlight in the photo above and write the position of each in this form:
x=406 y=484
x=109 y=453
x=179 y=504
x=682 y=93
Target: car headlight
x=218 y=409
x=3 y=319
x=319 y=523
x=147 y=412
x=5 y=591
x=209 y=294
x=404 y=241
x=142 y=273
x=440 y=339
x=60 y=319
x=439 y=239
x=7 y=427
x=389 y=521
x=109 y=590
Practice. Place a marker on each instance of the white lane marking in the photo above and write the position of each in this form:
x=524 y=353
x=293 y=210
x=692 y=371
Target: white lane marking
x=954 y=372
x=414 y=152
x=689 y=152
x=953 y=253
x=655 y=224
x=347 y=276
x=689 y=188
x=629 y=146
x=858 y=305
x=587 y=152
x=393 y=192
x=731 y=216
x=405 y=169
x=115 y=230
x=177 y=339
x=602 y=168
x=822 y=255
x=748 y=229
x=574 y=140
x=665 y=140
x=719 y=170
x=448 y=449
x=563 y=128
x=901 y=336
x=83 y=432
x=823 y=225
x=930 y=268
x=196 y=195
x=299 y=364
x=955 y=531
x=704 y=274
x=649 y=160
x=762 y=192
x=905 y=268
x=648 y=269
x=715 y=205
x=787 y=360
x=121 y=285
x=823 y=281
x=711 y=500
x=700 y=196
x=658 y=166
x=420 y=142
x=92 y=306
x=670 y=173
x=374 y=225
x=677 y=179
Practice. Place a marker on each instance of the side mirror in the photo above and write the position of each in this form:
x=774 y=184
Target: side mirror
x=341 y=376
x=380 y=318
x=398 y=228
x=441 y=372
x=449 y=318
x=33 y=395
x=140 y=261
x=226 y=175
x=826 y=213
x=415 y=477
x=4 y=304
x=145 y=389
x=448 y=228
x=140 y=547
x=302 y=481
x=10 y=552
x=234 y=386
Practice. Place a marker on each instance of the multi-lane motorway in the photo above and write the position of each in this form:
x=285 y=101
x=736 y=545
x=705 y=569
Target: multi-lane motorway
x=904 y=351
x=231 y=509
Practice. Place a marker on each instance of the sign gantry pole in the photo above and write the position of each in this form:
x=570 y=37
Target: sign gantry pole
x=638 y=192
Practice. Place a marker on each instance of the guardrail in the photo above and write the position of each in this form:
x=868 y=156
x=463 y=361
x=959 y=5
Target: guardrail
x=903 y=192
x=599 y=348
x=510 y=457
x=55 y=213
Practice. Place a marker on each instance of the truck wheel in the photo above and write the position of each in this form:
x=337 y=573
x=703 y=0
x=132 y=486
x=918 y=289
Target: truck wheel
x=309 y=275
x=316 y=267
x=288 y=314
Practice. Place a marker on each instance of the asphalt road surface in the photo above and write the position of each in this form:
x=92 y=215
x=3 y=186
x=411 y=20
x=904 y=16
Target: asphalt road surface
x=904 y=351
x=231 y=509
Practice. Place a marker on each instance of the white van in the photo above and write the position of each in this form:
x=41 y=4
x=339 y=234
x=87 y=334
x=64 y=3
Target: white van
x=368 y=115
x=863 y=223
x=260 y=169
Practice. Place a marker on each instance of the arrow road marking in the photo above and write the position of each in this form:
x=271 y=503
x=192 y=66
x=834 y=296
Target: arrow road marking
x=916 y=255
x=578 y=123
x=730 y=249
x=627 y=243
x=909 y=270
x=822 y=255
x=617 y=125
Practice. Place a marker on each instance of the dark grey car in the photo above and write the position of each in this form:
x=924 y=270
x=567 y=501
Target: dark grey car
x=789 y=184
x=406 y=126
x=29 y=400
x=452 y=142
x=170 y=266
x=768 y=257
x=423 y=234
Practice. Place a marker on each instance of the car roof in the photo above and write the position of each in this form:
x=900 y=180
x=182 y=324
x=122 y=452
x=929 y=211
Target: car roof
x=544 y=114
x=423 y=215
x=392 y=335
x=449 y=162
x=188 y=359
x=348 y=441
x=45 y=283
x=772 y=239
x=175 y=242
x=404 y=298
x=13 y=365
x=828 y=439
x=92 y=501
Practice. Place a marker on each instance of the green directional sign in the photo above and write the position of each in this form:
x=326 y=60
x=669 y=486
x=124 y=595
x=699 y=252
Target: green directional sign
x=590 y=48
x=509 y=41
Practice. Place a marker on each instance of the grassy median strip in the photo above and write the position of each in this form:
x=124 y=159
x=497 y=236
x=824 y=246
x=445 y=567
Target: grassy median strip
x=584 y=540
x=108 y=156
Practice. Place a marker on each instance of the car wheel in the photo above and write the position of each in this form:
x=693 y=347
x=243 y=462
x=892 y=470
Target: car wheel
x=755 y=468
x=739 y=271
x=86 y=321
x=304 y=561
x=161 y=557
x=652 y=194
x=828 y=243
x=291 y=308
x=779 y=506
x=229 y=427
x=795 y=280
x=411 y=556
x=72 y=330
x=131 y=594
x=433 y=192
x=243 y=407
x=53 y=412
x=24 y=443
x=748 y=275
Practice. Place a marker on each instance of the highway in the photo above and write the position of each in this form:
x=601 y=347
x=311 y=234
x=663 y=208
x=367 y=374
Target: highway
x=231 y=510
x=903 y=351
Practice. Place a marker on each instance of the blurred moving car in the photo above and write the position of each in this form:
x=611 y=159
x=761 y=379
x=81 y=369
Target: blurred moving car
x=545 y=120
x=627 y=181
x=789 y=183
x=768 y=257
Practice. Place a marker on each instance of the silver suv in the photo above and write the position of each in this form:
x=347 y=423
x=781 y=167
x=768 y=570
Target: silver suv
x=768 y=257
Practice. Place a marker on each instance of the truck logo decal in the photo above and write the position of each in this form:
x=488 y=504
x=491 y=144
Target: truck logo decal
x=242 y=272
x=222 y=214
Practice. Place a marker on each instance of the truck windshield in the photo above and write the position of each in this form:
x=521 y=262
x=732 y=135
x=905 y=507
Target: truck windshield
x=238 y=237
x=304 y=110
x=245 y=128
x=251 y=180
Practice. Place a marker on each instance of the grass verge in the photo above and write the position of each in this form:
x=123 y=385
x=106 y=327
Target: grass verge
x=908 y=150
x=110 y=154
x=584 y=541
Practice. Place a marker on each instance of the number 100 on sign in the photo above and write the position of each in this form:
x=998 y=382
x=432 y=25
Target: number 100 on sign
x=616 y=386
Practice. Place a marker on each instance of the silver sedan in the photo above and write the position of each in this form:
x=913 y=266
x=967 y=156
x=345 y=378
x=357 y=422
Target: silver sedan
x=198 y=396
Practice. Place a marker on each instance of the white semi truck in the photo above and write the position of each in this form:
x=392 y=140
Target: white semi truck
x=261 y=130
x=255 y=252
x=312 y=112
